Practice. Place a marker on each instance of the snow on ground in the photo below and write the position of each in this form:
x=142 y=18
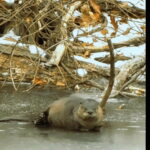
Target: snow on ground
x=81 y=72
x=32 y=48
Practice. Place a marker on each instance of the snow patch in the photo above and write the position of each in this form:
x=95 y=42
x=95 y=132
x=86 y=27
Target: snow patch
x=32 y=48
x=89 y=60
x=81 y=72
x=10 y=1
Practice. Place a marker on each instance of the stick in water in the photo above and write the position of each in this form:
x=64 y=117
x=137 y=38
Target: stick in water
x=107 y=92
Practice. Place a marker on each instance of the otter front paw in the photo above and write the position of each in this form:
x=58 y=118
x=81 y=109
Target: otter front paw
x=83 y=130
x=96 y=129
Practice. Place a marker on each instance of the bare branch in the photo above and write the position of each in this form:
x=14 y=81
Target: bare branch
x=134 y=77
x=133 y=42
x=60 y=49
x=118 y=57
x=122 y=8
x=120 y=91
x=66 y=18
x=108 y=90
x=127 y=71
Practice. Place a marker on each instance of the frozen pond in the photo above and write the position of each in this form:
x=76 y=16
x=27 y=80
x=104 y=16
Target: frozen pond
x=126 y=129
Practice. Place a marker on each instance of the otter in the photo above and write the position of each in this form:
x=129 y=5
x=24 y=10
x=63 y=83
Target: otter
x=73 y=113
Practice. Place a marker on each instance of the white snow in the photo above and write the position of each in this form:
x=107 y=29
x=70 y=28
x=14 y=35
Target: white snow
x=10 y=1
x=81 y=72
x=32 y=48
x=92 y=61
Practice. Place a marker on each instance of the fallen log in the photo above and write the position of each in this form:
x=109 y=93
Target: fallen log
x=127 y=72
x=20 y=52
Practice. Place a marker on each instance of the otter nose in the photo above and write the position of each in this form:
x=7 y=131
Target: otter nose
x=90 y=112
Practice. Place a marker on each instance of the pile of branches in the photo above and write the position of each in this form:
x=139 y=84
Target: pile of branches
x=49 y=24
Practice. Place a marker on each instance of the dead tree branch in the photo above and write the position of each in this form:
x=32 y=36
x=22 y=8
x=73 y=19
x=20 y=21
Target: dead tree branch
x=60 y=49
x=118 y=57
x=108 y=90
x=133 y=42
x=134 y=77
x=122 y=8
x=127 y=71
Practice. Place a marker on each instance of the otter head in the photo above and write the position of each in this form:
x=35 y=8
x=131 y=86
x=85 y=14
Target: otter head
x=90 y=110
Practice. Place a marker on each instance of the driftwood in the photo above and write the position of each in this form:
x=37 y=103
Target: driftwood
x=57 y=55
x=134 y=77
x=128 y=71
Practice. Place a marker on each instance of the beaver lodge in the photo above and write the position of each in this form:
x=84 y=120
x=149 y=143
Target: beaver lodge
x=49 y=43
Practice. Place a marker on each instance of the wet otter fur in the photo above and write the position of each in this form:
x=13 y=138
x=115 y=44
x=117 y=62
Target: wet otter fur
x=73 y=113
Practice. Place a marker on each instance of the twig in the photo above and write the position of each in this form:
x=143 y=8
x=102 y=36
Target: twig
x=124 y=10
x=10 y=64
x=132 y=42
x=63 y=76
x=65 y=18
x=106 y=58
x=127 y=71
x=86 y=81
x=94 y=84
x=61 y=48
x=134 y=77
x=102 y=26
x=33 y=85
x=68 y=71
x=107 y=92
x=130 y=94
